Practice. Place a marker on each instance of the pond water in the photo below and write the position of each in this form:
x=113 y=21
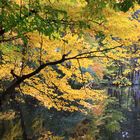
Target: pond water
x=38 y=118
x=129 y=102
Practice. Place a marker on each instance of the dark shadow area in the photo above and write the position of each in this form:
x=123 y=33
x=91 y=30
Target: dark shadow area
x=28 y=119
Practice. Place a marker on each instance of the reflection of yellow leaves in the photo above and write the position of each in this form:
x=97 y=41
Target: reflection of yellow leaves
x=9 y=115
x=98 y=109
x=136 y=69
x=126 y=71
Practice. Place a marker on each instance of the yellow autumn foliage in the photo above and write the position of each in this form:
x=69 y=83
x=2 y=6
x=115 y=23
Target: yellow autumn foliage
x=49 y=86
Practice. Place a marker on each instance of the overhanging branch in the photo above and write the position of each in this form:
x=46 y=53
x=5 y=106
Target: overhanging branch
x=16 y=82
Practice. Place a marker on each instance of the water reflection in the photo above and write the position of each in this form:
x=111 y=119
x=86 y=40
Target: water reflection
x=129 y=102
x=136 y=95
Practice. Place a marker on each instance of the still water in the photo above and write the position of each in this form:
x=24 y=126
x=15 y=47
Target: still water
x=38 y=119
x=129 y=102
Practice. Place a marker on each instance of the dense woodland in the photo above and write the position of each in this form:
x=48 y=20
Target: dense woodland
x=57 y=57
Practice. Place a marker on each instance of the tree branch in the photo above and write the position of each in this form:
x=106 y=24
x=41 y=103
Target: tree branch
x=18 y=80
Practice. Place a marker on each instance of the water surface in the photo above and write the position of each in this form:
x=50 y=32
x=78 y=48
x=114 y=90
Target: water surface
x=129 y=102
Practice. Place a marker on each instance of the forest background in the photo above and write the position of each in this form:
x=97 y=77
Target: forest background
x=55 y=56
